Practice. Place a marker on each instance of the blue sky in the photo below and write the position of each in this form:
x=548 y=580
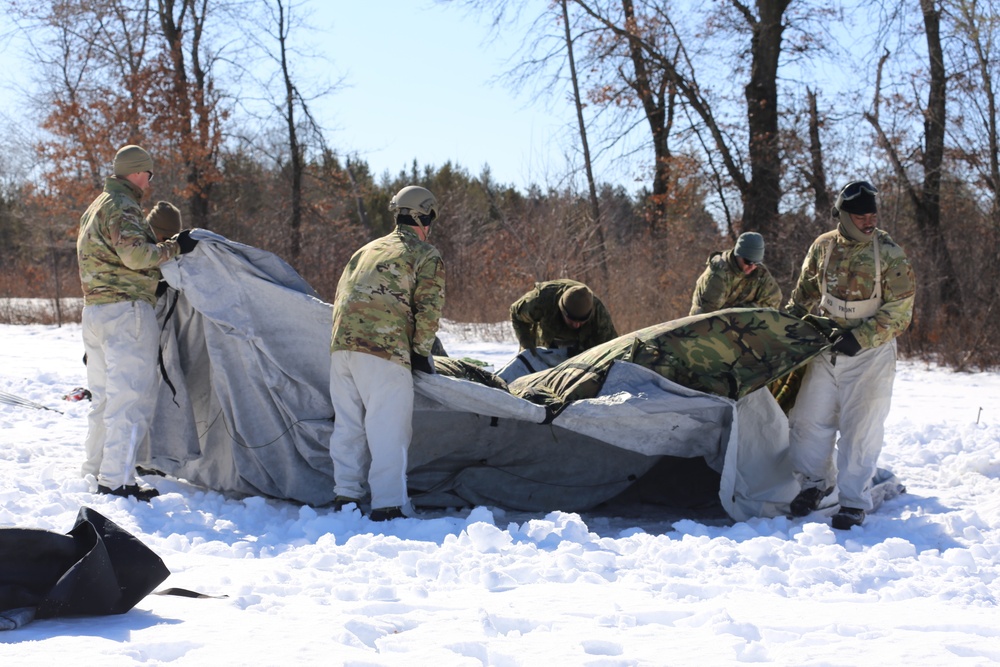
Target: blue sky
x=421 y=82
x=418 y=85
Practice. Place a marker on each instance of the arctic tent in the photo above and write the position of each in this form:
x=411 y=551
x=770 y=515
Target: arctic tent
x=244 y=405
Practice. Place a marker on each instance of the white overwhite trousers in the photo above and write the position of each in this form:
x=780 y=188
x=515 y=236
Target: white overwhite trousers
x=849 y=395
x=121 y=340
x=373 y=424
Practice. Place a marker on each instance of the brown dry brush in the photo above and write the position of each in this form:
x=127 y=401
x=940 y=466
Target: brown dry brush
x=498 y=241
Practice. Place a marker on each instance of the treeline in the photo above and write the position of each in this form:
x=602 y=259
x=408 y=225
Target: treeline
x=723 y=101
x=497 y=240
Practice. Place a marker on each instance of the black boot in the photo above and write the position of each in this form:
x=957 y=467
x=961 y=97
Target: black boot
x=386 y=514
x=340 y=502
x=808 y=500
x=848 y=517
x=129 y=491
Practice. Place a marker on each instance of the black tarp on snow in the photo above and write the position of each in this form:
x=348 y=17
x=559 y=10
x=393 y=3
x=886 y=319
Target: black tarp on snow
x=96 y=569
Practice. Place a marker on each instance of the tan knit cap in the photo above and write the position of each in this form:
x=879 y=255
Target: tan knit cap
x=165 y=219
x=132 y=159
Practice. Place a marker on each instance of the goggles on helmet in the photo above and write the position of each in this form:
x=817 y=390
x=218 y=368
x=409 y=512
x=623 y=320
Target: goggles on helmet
x=854 y=189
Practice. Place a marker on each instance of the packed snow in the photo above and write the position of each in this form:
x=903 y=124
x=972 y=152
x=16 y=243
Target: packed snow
x=918 y=584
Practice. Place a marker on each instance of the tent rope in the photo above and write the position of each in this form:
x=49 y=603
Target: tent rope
x=11 y=399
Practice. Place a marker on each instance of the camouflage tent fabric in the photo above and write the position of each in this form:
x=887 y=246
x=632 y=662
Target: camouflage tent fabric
x=728 y=353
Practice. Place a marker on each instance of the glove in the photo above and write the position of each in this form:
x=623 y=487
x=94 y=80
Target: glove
x=421 y=363
x=824 y=325
x=846 y=344
x=185 y=241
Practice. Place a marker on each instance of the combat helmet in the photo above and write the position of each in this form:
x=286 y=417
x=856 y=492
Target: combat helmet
x=416 y=203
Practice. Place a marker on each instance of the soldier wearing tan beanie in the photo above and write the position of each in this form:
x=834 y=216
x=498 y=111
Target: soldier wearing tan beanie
x=165 y=220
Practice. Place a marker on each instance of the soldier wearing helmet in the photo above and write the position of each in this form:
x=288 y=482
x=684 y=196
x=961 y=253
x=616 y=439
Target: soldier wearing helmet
x=862 y=284
x=385 y=318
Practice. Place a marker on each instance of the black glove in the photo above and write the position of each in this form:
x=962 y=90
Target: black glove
x=846 y=344
x=161 y=288
x=185 y=241
x=421 y=363
x=824 y=325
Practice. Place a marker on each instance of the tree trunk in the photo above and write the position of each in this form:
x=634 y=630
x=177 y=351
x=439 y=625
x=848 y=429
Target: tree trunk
x=654 y=108
x=761 y=198
x=595 y=208
x=294 y=148
x=928 y=214
x=817 y=173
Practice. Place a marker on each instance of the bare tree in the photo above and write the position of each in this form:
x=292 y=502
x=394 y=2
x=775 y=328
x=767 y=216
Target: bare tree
x=274 y=30
x=193 y=114
x=816 y=176
x=925 y=197
x=595 y=207
x=975 y=137
x=760 y=189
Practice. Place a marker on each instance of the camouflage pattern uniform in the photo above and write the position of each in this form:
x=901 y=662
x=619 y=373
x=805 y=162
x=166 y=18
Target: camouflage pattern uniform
x=724 y=285
x=389 y=300
x=119 y=259
x=849 y=394
x=538 y=322
x=117 y=250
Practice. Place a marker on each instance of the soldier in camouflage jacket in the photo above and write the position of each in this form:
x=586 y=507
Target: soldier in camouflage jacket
x=736 y=279
x=385 y=317
x=561 y=313
x=119 y=259
x=863 y=283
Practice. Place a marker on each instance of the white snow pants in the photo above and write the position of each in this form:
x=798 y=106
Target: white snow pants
x=121 y=340
x=373 y=424
x=850 y=395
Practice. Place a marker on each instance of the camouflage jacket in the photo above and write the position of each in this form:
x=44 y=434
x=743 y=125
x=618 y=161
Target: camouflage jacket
x=538 y=322
x=724 y=285
x=850 y=275
x=117 y=251
x=389 y=298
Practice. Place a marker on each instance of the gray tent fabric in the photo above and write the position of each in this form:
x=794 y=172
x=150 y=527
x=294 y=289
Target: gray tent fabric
x=245 y=347
x=247 y=350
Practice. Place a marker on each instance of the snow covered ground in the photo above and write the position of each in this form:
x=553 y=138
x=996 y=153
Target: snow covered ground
x=917 y=585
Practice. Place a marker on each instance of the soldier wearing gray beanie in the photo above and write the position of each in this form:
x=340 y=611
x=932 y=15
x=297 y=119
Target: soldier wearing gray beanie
x=736 y=278
x=750 y=246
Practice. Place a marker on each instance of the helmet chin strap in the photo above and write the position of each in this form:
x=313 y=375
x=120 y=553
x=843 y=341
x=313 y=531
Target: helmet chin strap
x=426 y=228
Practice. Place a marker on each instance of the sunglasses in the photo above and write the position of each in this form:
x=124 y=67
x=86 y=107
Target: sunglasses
x=855 y=188
x=150 y=176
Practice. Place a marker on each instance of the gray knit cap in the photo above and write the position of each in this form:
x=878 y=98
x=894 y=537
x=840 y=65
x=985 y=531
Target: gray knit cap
x=750 y=246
